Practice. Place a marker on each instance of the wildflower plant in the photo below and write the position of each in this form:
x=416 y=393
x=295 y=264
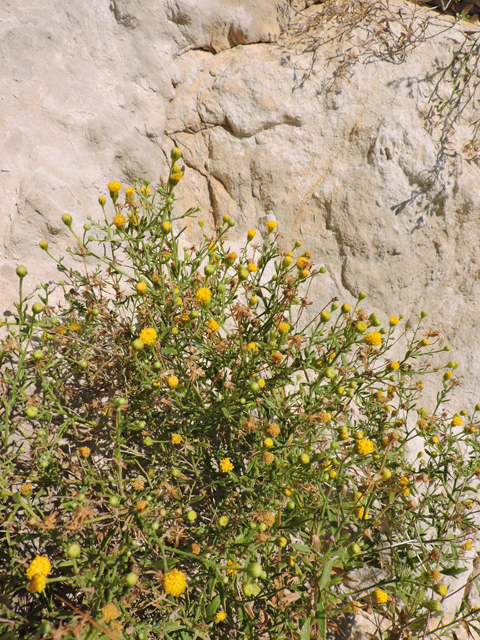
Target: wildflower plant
x=179 y=462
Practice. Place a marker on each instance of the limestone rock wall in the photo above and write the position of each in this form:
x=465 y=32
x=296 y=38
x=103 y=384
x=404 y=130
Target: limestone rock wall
x=357 y=145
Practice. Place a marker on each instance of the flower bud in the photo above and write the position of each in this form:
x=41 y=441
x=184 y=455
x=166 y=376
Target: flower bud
x=74 y=550
x=38 y=355
x=67 y=219
x=175 y=154
x=43 y=244
x=297 y=244
x=102 y=200
x=131 y=579
x=362 y=295
x=37 y=307
x=138 y=344
x=21 y=271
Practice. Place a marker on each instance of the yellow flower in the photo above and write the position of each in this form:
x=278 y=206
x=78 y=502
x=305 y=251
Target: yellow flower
x=141 y=287
x=365 y=446
x=230 y=257
x=380 y=596
x=130 y=192
x=277 y=357
x=37 y=583
x=172 y=382
x=273 y=429
x=144 y=190
x=268 y=518
x=393 y=321
x=394 y=365
x=268 y=443
x=284 y=327
x=41 y=565
x=287 y=261
x=219 y=617
x=361 y=514
x=174 y=583
x=268 y=457
x=141 y=506
x=102 y=200
x=176 y=438
x=148 y=336
x=203 y=294
x=119 y=220
x=110 y=612
x=114 y=187
x=406 y=492
x=185 y=317
x=232 y=564
x=324 y=417
x=252 y=267
x=84 y=452
x=213 y=325
x=271 y=225
x=304 y=273
x=404 y=481
x=261 y=383
x=196 y=548
x=139 y=484
x=251 y=233
x=226 y=465
x=457 y=421
x=253 y=347
x=467 y=545
x=176 y=173
x=425 y=342
x=166 y=226
x=302 y=263
x=74 y=326
x=26 y=488
x=374 y=339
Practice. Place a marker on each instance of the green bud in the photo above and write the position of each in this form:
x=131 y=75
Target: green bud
x=330 y=373
x=138 y=344
x=383 y=331
x=175 y=154
x=74 y=550
x=38 y=355
x=322 y=270
x=304 y=459
x=297 y=244
x=290 y=505
x=191 y=515
x=446 y=348
x=170 y=200
x=254 y=569
x=423 y=314
x=120 y=402
x=254 y=386
x=223 y=521
x=87 y=227
x=354 y=549
x=243 y=273
x=440 y=588
x=231 y=223
x=21 y=271
x=147 y=182
x=43 y=244
x=386 y=474
x=131 y=579
x=375 y=320
x=334 y=306
x=37 y=307
x=209 y=270
x=362 y=295
x=31 y=412
x=83 y=364
x=296 y=300
x=201 y=223
x=222 y=288
x=148 y=441
x=95 y=312
x=194 y=314
x=67 y=219
x=325 y=316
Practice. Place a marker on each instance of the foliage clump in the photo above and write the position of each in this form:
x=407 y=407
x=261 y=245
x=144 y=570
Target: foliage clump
x=186 y=455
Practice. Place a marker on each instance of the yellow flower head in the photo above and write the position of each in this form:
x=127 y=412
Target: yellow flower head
x=174 y=583
x=148 y=336
x=268 y=443
x=362 y=514
x=230 y=257
x=287 y=261
x=110 y=612
x=119 y=221
x=273 y=429
x=213 y=325
x=41 y=565
x=394 y=321
x=176 y=173
x=277 y=357
x=145 y=191
x=261 y=382
x=404 y=481
x=37 y=583
x=268 y=518
x=268 y=457
x=252 y=267
x=141 y=506
x=226 y=465
x=166 y=226
x=365 y=446
x=141 y=287
x=84 y=452
x=251 y=233
x=176 y=438
x=457 y=421
x=139 y=484
x=253 y=347
x=219 y=617
x=74 y=326
x=302 y=262
x=394 y=365
x=380 y=596
x=304 y=273
x=130 y=193
x=26 y=488
x=284 y=327
x=172 y=382
x=230 y=563
x=271 y=225
x=374 y=339
x=196 y=548
x=203 y=294
x=114 y=187
x=323 y=417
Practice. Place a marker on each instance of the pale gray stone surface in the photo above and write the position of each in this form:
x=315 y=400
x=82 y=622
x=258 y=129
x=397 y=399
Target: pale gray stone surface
x=347 y=154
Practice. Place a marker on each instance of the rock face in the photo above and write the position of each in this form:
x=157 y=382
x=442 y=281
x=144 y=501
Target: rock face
x=361 y=146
